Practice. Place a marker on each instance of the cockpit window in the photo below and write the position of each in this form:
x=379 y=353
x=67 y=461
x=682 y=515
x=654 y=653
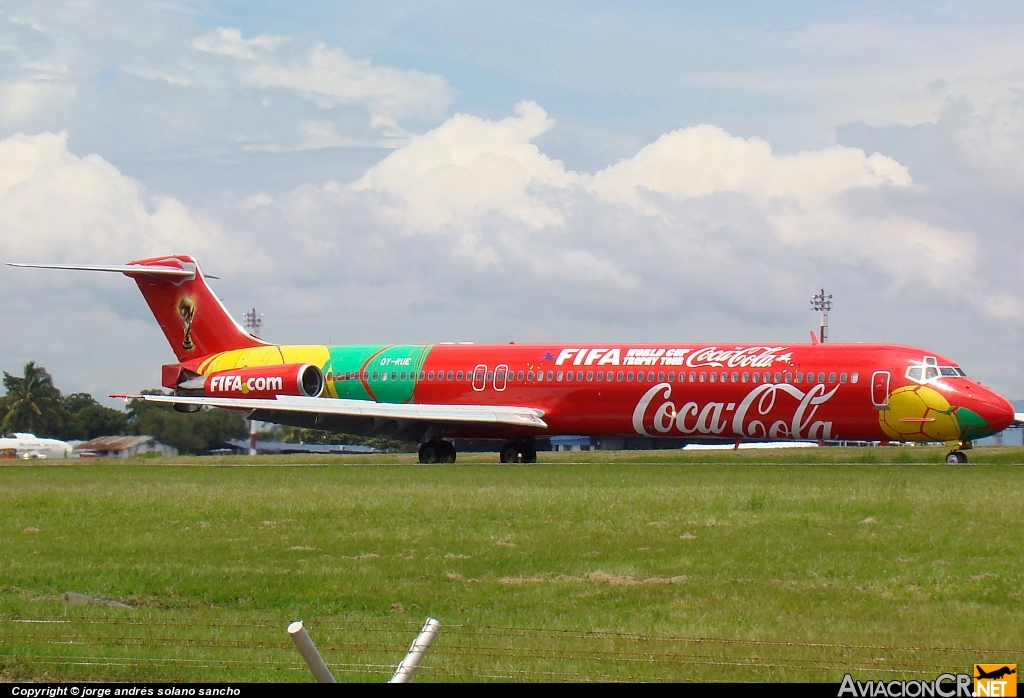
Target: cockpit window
x=929 y=370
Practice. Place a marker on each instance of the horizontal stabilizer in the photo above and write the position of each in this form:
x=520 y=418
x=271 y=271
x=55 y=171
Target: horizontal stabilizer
x=436 y=414
x=122 y=268
x=1018 y=418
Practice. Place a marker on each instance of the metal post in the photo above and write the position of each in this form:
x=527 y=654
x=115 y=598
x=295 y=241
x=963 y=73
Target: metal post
x=822 y=303
x=309 y=652
x=417 y=649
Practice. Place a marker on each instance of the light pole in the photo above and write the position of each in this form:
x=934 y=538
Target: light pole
x=822 y=304
x=252 y=322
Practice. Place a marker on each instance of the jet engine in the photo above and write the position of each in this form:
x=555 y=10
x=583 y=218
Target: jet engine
x=303 y=380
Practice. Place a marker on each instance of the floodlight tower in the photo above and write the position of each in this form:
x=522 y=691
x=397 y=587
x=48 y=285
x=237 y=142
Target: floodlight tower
x=252 y=322
x=822 y=304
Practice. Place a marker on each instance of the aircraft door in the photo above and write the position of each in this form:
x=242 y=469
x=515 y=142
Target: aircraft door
x=880 y=390
x=480 y=377
x=500 y=377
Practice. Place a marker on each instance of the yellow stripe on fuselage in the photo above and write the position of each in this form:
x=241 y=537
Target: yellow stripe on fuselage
x=315 y=354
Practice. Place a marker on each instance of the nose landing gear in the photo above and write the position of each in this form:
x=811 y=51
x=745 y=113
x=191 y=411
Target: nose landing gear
x=956 y=455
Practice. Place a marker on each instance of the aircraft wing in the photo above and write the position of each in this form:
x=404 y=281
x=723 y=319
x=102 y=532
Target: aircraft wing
x=1018 y=418
x=439 y=414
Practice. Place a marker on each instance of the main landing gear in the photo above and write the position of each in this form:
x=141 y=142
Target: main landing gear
x=437 y=451
x=513 y=451
x=956 y=457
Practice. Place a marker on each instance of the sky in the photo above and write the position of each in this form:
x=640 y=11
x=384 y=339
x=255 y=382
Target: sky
x=490 y=172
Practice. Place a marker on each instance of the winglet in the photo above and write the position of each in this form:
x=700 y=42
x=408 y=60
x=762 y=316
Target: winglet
x=814 y=338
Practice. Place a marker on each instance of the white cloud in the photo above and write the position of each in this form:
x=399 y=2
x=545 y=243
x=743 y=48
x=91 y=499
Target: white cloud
x=330 y=76
x=55 y=206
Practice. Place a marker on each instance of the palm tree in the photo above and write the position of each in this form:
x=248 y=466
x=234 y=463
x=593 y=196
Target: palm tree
x=31 y=397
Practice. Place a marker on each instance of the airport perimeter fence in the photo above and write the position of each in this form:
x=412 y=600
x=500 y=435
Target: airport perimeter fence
x=115 y=647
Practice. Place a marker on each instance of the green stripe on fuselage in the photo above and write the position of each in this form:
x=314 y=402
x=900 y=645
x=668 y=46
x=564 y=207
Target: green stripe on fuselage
x=385 y=364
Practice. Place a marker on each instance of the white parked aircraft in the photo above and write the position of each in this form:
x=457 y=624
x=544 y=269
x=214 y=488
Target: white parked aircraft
x=31 y=446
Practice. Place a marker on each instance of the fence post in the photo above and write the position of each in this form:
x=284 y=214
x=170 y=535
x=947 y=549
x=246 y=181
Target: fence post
x=417 y=649
x=310 y=653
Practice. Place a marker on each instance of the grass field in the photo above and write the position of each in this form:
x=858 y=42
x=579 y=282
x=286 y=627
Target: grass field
x=697 y=566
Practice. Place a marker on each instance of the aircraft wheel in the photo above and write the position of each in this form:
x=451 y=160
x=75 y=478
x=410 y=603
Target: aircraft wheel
x=529 y=453
x=429 y=453
x=956 y=457
x=509 y=453
x=447 y=452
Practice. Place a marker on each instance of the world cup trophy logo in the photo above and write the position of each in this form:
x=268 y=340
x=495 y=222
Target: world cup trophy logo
x=187 y=313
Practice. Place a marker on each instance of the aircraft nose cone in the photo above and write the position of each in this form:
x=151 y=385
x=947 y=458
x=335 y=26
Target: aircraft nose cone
x=994 y=409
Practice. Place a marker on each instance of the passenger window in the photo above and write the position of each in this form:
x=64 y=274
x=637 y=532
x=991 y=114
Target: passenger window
x=735 y=377
x=629 y=377
x=831 y=378
x=551 y=375
x=789 y=377
x=559 y=376
x=821 y=377
x=618 y=376
x=422 y=376
x=842 y=377
x=520 y=376
x=778 y=377
x=394 y=375
x=693 y=376
x=375 y=375
x=579 y=375
x=757 y=376
x=746 y=377
x=714 y=376
x=458 y=376
x=855 y=377
x=430 y=376
x=600 y=376
x=530 y=376
x=799 y=377
x=452 y=373
x=650 y=376
x=661 y=376
x=671 y=376
x=402 y=377
x=590 y=376
x=568 y=376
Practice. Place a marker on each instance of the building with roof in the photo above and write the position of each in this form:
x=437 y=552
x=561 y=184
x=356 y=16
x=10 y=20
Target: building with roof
x=123 y=447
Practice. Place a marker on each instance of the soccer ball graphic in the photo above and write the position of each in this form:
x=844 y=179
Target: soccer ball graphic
x=919 y=413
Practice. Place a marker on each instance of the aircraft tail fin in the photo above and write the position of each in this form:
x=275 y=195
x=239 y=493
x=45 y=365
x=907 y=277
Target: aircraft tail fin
x=193 y=319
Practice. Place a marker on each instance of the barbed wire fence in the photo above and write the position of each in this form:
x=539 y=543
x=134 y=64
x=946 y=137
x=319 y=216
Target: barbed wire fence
x=115 y=647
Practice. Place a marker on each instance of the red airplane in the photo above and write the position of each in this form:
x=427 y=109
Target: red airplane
x=431 y=393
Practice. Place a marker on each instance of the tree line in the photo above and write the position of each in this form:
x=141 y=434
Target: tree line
x=33 y=404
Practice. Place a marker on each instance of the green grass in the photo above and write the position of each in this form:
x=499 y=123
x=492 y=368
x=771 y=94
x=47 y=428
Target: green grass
x=557 y=571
